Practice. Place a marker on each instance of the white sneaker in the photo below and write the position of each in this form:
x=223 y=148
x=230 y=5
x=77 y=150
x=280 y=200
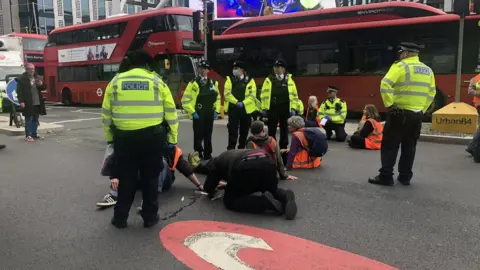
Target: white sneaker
x=108 y=200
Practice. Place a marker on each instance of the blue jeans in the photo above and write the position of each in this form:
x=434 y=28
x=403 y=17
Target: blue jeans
x=31 y=125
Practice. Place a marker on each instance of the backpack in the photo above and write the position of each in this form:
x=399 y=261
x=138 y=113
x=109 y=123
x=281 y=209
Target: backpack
x=316 y=144
x=269 y=148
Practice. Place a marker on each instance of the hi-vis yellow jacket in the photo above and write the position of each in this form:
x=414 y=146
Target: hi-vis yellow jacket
x=336 y=109
x=409 y=85
x=250 y=101
x=266 y=94
x=138 y=99
x=189 y=98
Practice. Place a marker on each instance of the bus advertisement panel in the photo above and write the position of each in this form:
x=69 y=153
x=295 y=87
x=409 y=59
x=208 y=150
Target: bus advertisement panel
x=81 y=59
x=349 y=51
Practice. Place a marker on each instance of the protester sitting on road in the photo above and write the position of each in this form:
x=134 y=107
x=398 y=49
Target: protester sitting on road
x=307 y=147
x=248 y=171
x=261 y=140
x=370 y=136
x=311 y=117
x=173 y=161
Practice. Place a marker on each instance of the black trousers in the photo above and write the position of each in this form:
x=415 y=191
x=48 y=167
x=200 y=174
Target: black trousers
x=279 y=114
x=340 y=134
x=138 y=152
x=248 y=177
x=402 y=130
x=205 y=166
x=202 y=132
x=238 y=126
x=357 y=141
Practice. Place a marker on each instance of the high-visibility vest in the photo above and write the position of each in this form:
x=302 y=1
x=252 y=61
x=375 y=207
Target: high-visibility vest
x=476 y=100
x=176 y=156
x=409 y=85
x=189 y=97
x=302 y=159
x=269 y=148
x=266 y=94
x=138 y=99
x=374 y=139
x=250 y=102
x=338 y=113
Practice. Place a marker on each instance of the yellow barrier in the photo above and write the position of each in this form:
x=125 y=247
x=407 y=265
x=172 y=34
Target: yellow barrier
x=456 y=117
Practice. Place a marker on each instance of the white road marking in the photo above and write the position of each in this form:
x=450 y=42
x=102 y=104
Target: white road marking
x=75 y=120
x=220 y=248
x=81 y=111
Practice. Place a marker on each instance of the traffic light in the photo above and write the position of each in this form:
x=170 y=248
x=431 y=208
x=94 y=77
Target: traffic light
x=197 y=26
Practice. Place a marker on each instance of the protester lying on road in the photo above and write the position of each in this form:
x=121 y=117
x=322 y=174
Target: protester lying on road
x=173 y=161
x=248 y=171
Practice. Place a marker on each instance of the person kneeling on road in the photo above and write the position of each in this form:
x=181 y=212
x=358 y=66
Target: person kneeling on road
x=247 y=172
x=174 y=160
x=307 y=147
x=261 y=140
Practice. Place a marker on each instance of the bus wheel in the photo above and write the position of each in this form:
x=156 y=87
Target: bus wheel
x=67 y=97
x=438 y=102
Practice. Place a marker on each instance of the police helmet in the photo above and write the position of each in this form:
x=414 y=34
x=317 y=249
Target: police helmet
x=239 y=64
x=280 y=63
x=408 y=47
x=204 y=64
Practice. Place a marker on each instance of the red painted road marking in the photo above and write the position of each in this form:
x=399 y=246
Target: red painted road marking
x=211 y=245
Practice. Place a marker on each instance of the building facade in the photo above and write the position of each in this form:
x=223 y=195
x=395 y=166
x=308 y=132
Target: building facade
x=42 y=16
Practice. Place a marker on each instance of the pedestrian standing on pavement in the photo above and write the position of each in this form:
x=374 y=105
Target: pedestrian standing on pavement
x=279 y=99
x=136 y=108
x=246 y=172
x=30 y=97
x=201 y=100
x=407 y=91
x=333 y=112
x=240 y=95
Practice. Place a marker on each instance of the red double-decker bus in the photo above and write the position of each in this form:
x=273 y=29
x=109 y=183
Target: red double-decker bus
x=80 y=60
x=33 y=45
x=351 y=48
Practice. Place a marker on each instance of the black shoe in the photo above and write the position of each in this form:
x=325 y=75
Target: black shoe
x=119 y=224
x=403 y=181
x=469 y=150
x=378 y=181
x=2 y=146
x=290 y=205
x=151 y=223
x=275 y=204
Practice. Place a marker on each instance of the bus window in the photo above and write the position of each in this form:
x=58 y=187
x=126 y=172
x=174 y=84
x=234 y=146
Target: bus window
x=320 y=59
x=438 y=54
x=33 y=44
x=180 y=23
x=109 y=71
x=185 y=67
x=368 y=57
x=225 y=57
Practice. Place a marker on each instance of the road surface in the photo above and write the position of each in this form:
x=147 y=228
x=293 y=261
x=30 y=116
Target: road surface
x=48 y=218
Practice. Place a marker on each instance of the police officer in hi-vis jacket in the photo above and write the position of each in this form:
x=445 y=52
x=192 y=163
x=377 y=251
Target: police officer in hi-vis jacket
x=201 y=100
x=240 y=102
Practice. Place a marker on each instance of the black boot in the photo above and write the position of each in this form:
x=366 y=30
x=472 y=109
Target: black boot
x=379 y=181
x=275 y=204
x=287 y=198
x=119 y=224
x=151 y=223
x=403 y=181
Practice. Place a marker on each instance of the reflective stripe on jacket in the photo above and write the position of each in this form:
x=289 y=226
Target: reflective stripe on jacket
x=250 y=101
x=138 y=99
x=266 y=94
x=189 y=98
x=409 y=85
x=302 y=159
x=338 y=113
x=476 y=83
x=374 y=139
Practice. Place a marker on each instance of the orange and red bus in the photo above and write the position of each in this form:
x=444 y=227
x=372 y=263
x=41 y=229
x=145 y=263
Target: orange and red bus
x=33 y=45
x=351 y=48
x=81 y=59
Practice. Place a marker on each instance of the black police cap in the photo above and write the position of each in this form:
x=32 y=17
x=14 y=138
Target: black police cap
x=140 y=57
x=204 y=64
x=409 y=47
x=239 y=64
x=280 y=63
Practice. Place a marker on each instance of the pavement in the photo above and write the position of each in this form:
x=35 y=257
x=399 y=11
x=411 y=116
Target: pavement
x=48 y=218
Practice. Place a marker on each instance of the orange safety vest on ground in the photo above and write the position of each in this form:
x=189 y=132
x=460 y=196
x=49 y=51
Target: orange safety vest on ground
x=302 y=159
x=178 y=153
x=269 y=148
x=476 y=100
x=374 y=139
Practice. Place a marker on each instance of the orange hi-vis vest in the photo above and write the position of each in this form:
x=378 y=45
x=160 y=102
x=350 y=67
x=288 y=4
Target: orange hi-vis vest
x=269 y=148
x=374 y=139
x=476 y=100
x=178 y=154
x=302 y=159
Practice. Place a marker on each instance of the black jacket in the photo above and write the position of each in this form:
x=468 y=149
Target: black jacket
x=222 y=165
x=24 y=94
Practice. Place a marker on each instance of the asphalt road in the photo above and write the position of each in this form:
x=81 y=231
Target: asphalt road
x=48 y=218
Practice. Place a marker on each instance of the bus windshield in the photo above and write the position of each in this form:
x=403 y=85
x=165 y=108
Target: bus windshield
x=34 y=44
x=9 y=70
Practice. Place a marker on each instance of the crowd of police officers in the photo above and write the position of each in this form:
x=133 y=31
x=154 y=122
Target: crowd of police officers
x=140 y=118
